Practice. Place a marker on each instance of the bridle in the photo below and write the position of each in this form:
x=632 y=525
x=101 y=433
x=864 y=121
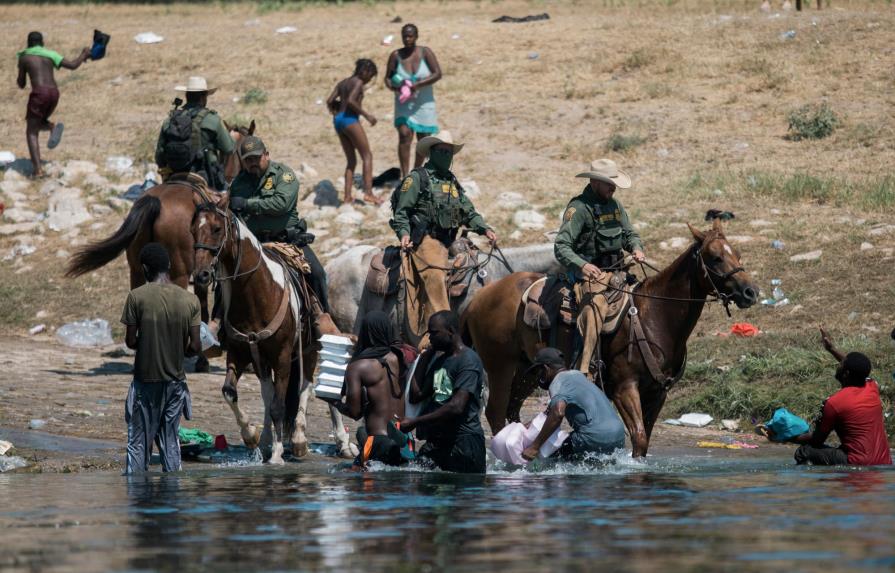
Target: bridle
x=709 y=272
x=230 y=221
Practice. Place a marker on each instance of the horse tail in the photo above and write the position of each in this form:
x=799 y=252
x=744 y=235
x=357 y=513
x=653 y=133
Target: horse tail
x=144 y=213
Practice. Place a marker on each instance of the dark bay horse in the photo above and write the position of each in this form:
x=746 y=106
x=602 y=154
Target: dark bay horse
x=164 y=214
x=668 y=304
x=267 y=325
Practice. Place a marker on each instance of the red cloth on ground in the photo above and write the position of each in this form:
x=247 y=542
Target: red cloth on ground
x=42 y=102
x=856 y=413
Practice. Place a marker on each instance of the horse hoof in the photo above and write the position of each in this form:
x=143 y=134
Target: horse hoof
x=278 y=461
x=202 y=364
x=300 y=450
x=251 y=437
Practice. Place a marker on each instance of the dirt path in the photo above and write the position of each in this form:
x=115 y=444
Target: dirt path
x=80 y=394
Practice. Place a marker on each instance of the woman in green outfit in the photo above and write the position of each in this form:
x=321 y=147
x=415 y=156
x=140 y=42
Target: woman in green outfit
x=410 y=73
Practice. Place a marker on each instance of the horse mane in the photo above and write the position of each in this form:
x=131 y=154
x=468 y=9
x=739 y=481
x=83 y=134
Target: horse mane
x=679 y=265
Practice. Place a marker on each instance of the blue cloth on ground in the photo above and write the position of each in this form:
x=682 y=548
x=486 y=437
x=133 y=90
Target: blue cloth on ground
x=786 y=425
x=343 y=119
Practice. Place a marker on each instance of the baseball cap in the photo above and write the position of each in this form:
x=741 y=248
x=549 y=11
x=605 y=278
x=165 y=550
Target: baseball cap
x=251 y=145
x=547 y=357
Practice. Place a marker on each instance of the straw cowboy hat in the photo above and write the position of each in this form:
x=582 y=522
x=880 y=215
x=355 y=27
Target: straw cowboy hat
x=606 y=170
x=195 y=84
x=444 y=136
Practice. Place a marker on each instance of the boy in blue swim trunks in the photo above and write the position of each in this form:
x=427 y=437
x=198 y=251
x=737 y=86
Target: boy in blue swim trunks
x=345 y=103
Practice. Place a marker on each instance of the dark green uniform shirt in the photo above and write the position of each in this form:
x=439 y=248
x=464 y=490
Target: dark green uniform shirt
x=272 y=200
x=213 y=133
x=445 y=206
x=163 y=314
x=591 y=227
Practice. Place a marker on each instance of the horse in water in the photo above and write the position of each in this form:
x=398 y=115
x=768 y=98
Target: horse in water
x=350 y=301
x=163 y=214
x=641 y=363
x=268 y=326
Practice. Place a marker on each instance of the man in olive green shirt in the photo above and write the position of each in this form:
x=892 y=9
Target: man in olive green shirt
x=265 y=195
x=162 y=323
x=594 y=231
x=430 y=209
x=204 y=153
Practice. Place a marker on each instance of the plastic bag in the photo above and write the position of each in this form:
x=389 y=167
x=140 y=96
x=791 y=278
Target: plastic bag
x=785 y=425
x=85 y=333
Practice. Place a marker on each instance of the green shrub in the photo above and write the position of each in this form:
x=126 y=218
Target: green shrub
x=621 y=142
x=812 y=122
x=254 y=96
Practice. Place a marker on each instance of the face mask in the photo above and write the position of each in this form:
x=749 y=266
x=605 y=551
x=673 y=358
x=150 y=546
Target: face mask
x=441 y=159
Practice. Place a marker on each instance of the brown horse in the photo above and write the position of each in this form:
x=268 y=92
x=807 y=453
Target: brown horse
x=268 y=325
x=164 y=214
x=668 y=306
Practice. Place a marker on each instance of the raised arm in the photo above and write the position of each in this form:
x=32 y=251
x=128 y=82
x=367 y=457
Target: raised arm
x=827 y=343
x=76 y=63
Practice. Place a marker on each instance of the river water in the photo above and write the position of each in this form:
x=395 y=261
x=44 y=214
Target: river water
x=674 y=513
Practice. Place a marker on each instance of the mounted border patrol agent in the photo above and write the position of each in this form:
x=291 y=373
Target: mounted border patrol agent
x=194 y=138
x=595 y=229
x=428 y=210
x=265 y=195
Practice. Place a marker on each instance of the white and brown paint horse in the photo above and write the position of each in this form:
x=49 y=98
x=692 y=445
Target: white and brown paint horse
x=267 y=326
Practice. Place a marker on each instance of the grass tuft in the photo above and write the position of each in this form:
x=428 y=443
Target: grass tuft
x=254 y=96
x=620 y=142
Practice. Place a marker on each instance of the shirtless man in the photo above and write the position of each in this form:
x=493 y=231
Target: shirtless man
x=37 y=63
x=346 y=104
x=374 y=390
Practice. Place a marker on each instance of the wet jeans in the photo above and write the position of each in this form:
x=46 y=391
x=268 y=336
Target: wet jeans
x=822 y=456
x=152 y=412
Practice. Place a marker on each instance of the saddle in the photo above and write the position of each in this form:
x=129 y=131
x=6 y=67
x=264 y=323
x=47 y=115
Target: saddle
x=550 y=301
x=288 y=254
x=293 y=262
x=464 y=268
x=385 y=269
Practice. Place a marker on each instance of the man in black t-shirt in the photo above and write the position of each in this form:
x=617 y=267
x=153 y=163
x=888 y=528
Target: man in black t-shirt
x=450 y=379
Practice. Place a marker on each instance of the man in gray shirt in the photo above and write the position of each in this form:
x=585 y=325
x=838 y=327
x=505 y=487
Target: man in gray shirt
x=596 y=427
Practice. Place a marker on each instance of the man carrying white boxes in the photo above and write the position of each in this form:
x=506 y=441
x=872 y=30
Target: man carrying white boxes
x=372 y=378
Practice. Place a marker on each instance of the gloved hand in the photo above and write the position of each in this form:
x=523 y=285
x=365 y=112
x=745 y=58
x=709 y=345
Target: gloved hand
x=238 y=203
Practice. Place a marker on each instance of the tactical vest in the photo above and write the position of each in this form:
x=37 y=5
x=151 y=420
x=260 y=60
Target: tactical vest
x=604 y=233
x=441 y=201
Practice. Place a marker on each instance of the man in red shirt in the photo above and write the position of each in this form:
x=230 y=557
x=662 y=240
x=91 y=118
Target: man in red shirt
x=855 y=412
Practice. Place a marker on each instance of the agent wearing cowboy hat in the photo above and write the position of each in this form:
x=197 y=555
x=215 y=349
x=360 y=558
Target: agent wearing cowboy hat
x=429 y=210
x=595 y=228
x=179 y=149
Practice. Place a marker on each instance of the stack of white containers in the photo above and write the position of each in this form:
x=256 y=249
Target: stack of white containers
x=331 y=365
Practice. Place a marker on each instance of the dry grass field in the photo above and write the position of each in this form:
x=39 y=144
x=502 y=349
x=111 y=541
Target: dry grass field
x=692 y=98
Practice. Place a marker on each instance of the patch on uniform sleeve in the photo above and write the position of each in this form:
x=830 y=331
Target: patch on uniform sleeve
x=268 y=185
x=406 y=185
x=288 y=177
x=570 y=212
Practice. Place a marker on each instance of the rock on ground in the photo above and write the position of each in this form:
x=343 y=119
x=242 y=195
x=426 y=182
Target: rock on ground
x=471 y=188
x=325 y=194
x=527 y=219
x=66 y=210
x=809 y=256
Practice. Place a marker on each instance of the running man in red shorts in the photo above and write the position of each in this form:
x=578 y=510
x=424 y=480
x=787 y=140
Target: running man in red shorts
x=38 y=63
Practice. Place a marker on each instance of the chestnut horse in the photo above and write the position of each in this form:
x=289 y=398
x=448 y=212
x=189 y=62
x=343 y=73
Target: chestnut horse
x=164 y=214
x=267 y=326
x=668 y=304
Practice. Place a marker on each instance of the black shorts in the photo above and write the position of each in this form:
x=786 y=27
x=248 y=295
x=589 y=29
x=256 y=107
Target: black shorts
x=822 y=456
x=465 y=455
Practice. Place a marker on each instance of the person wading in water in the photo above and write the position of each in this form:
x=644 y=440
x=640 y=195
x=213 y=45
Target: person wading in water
x=37 y=63
x=375 y=390
x=162 y=323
